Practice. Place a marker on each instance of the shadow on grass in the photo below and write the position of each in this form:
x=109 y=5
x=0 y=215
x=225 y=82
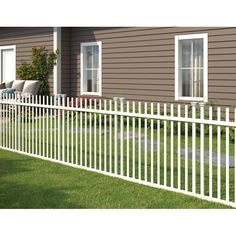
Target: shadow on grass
x=12 y=166
x=19 y=189
x=31 y=183
x=25 y=196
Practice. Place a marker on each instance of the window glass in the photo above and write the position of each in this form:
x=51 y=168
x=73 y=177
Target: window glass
x=191 y=69
x=91 y=80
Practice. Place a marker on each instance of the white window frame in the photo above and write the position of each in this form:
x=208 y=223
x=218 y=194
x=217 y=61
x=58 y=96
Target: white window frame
x=14 y=54
x=99 y=44
x=205 y=67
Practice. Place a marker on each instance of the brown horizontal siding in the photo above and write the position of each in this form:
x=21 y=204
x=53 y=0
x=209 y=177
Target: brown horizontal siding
x=25 y=38
x=138 y=63
x=65 y=61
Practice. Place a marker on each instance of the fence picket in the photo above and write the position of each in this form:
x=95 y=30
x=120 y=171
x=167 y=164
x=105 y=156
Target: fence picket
x=105 y=136
x=152 y=177
x=194 y=148
x=51 y=129
x=202 y=150
x=100 y=136
x=55 y=130
x=186 y=148
x=95 y=134
x=47 y=126
x=72 y=132
x=63 y=129
x=121 y=137
x=22 y=130
x=59 y=130
x=68 y=131
x=43 y=127
x=227 y=153
x=172 y=147
x=33 y=125
x=76 y=133
x=179 y=148
x=158 y=146
x=90 y=132
x=15 y=125
x=110 y=141
x=218 y=155
x=210 y=153
x=9 y=125
x=145 y=143
x=85 y=133
x=133 y=143
x=127 y=136
x=165 y=146
x=139 y=144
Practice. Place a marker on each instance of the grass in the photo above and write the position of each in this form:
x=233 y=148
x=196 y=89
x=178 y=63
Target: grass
x=27 y=182
x=50 y=139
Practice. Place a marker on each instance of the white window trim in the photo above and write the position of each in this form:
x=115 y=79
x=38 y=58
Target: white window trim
x=82 y=92
x=205 y=67
x=57 y=67
x=14 y=54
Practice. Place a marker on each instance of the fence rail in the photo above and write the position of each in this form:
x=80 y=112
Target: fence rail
x=182 y=148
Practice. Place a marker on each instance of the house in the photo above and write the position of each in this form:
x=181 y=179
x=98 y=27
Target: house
x=167 y=64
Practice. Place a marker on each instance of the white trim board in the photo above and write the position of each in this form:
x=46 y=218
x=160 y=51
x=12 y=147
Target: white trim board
x=14 y=54
x=57 y=67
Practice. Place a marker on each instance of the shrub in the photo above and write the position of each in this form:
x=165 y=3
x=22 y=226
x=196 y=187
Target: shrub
x=40 y=68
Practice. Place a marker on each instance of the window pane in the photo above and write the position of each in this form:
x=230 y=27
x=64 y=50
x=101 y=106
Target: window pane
x=186 y=82
x=88 y=56
x=185 y=47
x=89 y=81
x=95 y=57
x=8 y=65
x=91 y=57
x=198 y=83
x=197 y=53
x=95 y=81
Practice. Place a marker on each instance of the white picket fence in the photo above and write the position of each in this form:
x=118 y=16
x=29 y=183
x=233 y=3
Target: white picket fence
x=182 y=148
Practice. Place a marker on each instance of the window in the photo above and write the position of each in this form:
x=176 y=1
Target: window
x=91 y=68
x=7 y=63
x=191 y=64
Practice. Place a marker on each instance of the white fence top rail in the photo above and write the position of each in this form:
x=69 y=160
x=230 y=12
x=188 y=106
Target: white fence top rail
x=98 y=110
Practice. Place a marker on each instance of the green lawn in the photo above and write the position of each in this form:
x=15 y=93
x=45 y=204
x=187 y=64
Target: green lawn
x=27 y=182
x=45 y=137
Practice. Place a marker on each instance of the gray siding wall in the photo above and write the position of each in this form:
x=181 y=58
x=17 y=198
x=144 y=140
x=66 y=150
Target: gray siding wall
x=138 y=63
x=25 y=38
